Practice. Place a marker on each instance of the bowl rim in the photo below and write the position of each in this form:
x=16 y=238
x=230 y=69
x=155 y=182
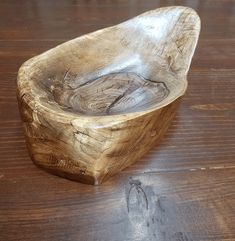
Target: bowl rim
x=25 y=77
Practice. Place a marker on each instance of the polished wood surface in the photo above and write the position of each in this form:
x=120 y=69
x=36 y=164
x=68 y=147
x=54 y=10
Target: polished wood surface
x=183 y=189
x=98 y=103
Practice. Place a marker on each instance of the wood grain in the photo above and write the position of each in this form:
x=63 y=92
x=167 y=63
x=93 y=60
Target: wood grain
x=87 y=117
x=199 y=204
x=191 y=205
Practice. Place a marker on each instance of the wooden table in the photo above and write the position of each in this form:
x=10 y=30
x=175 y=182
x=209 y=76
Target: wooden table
x=183 y=190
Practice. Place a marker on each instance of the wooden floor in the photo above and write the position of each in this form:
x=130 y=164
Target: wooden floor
x=183 y=190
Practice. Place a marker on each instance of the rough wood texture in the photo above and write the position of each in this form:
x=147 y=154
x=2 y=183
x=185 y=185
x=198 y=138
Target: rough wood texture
x=96 y=104
x=191 y=171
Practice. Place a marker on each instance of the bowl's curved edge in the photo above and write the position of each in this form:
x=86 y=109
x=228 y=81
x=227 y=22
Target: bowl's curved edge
x=91 y=155
x=24 y=87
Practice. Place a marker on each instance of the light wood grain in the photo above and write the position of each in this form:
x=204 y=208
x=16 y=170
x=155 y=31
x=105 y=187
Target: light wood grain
x=96 y=104
x=199 y=205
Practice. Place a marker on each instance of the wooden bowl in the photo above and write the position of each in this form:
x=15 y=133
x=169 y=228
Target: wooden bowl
x=96 y=104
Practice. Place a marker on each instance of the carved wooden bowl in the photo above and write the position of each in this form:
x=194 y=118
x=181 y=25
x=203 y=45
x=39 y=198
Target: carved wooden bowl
x=96 y=104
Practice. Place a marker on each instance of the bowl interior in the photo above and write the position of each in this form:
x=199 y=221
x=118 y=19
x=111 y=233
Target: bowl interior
x=138 y=65
x=115 y=93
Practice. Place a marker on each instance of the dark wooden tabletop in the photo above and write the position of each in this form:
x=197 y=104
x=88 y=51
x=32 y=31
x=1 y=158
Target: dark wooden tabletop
x=183 y=190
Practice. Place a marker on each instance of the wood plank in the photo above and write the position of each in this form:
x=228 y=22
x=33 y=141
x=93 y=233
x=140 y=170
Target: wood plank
x=197 y=205
x=72 y=20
